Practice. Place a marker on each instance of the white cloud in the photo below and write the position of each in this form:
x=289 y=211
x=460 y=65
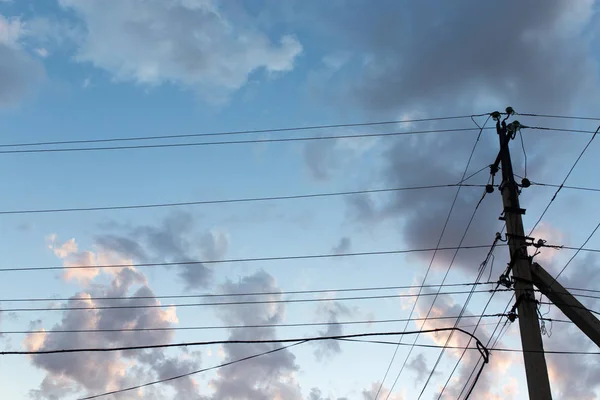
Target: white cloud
x=100 y=372
x=187 y=42
x=42 y=52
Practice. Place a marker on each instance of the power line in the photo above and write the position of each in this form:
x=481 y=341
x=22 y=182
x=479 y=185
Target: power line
x=224 y=342
x=558 y=116
x=481 y=271
x=230 y=142
x=271 y=198
x=575 y=255
x=235 y=200
x=468 y=164
x=266 y=259
x=570 y=305
x=172 y=378
x=229 y=303
x=242 y=294
x=464 y=307
x=242 y=260
x=503 y=350
x=259 y=326
x=227 y=133
x=204 y=370
x=566 y=187
x=543 y=128
x=487 y=345
x=565 y=180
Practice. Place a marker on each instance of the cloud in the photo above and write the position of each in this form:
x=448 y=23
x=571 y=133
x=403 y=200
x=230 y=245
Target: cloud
x=371 y=393
x=93 y=373
x=420 y=366
x=316 y=394
x=343 y=246
x=267 y=377
x=195 y=44
x=329 y=348
x=542 y=61
x=19 y=72
x=499 y=362
x=173 y=240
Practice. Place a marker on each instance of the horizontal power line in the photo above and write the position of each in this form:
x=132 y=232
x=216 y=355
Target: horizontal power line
x=224 y=342
x=237 y=200
x=291 y=340
x=559 y=116
x=248 y=260
x=232 y=142
x=567 y=130
x=268 y=259
x=260 y=326
x=504 y=350
x=241 y=132
x=268 y=198
x=212 y=295
x=235 y=303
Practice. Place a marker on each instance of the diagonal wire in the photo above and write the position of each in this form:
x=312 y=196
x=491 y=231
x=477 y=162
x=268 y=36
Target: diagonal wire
x=482 y=270
x=487 y=345
x=575 y=255
x=438 y=293
x=564 y=180
x=431 y=261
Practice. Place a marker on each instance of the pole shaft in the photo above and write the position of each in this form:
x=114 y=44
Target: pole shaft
x=538 y=383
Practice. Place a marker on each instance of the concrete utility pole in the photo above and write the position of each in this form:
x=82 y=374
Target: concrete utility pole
x=569 y=305
x=538 y=383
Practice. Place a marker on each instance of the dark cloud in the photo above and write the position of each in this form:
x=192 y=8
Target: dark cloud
x=174 y=240
x=433 y=58
x=264 y=377
x=333 y=310
x=19 y=74
x=457 y=55
x=321 y=158
x=343 y=246
x=419 y=365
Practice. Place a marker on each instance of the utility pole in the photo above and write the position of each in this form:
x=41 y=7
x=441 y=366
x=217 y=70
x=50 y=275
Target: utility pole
x=538 y=383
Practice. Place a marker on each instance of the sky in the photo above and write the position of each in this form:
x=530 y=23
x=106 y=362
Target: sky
x=76 y=70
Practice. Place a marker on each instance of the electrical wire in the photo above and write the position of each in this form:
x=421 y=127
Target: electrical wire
x=272 y=198
x=231 y=142
x=524 y=152
x=487 y=345
x=242 y=294
x=228 y=303
x=172 y=378
x=435 y=298
x=260 y=326
x=570 y=305
x=564 y=180
x=558 y=116
x=482 y=270
x=225 y=342
x=242 y=260
x=235 y=200
x=566 y=187
x=226 y=133
x=468 y=164
x=574 y=255
x=202 y=370
x=466 y=303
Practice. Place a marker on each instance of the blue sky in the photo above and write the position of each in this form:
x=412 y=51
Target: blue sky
x=91 y=69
